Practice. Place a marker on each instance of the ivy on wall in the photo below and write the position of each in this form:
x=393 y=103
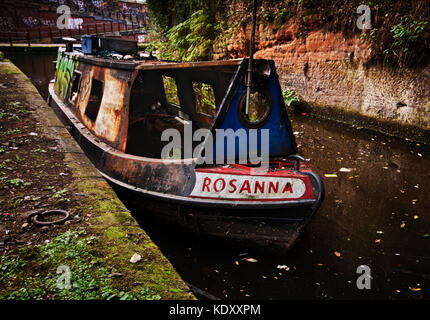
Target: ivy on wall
x=169 y=13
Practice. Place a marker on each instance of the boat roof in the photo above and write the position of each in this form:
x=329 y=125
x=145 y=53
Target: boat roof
x=147 y=64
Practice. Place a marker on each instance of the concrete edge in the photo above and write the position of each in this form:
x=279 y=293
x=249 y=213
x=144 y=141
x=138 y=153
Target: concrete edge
x=110 y=220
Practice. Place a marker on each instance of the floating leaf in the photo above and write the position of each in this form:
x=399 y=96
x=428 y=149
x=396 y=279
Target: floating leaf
x=280 y=267
x=337 y=254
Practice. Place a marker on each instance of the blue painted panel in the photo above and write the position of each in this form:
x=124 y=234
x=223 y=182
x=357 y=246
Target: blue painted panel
x=281 y=140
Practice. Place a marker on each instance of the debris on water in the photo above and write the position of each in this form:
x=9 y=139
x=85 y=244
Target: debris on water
x=380 y=232
x=416 y=217
x=236 y=262
x=337 y=254
x=135 y=258
x=250 y=260
x=419 y=154
x=330 y=175
x=115 y=275
x=415 y=289
x=378 y=241
x=402 y=225
x=345 y=170
x=283 y=267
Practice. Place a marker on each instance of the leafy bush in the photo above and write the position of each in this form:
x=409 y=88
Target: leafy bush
x=290 y=96
x=190 y=40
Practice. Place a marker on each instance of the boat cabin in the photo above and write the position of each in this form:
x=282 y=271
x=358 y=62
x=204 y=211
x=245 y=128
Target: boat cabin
x=128 y=104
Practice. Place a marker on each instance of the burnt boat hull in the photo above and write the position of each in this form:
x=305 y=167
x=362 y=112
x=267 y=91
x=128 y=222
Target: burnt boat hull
x=265 y=225
x=261 y=228
x=118 y=111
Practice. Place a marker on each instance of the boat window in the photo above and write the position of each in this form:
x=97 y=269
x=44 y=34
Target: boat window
x=205 y=98
x=95 y=99
x=171 y=90
x=75 y=87
x=259 y=110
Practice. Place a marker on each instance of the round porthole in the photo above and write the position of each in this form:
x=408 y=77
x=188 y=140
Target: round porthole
x=259 y=111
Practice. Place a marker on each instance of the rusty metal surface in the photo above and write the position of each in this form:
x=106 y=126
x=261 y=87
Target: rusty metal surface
x=104 y=140
x=151 y=64
x=108 y=126
x=159 y=65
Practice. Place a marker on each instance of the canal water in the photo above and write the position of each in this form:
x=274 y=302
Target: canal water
x=376 y=213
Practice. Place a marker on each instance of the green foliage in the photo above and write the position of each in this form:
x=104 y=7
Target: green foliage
x=171 y=90
x=370 y=37
x=290 y=96
x=406 y=44
x=14 y=183
x=410 y=39
x=167 y=13
x=191 y=40
x=90 y=279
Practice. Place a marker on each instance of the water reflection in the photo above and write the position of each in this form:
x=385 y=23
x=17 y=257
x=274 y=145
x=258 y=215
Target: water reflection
x=374 y=214
x=38 y=67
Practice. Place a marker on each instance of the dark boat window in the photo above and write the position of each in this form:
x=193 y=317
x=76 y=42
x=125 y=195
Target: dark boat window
x=75 y=87
x=95 y=99
x=205 y=98
x=171 y=90
x=260 y=108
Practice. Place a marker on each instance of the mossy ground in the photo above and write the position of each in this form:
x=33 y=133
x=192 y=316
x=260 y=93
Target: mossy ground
x=97 y=243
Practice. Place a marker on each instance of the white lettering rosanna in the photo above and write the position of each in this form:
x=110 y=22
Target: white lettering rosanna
x=230 y=186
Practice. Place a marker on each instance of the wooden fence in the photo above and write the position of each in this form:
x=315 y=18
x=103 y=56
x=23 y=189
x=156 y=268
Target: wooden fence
x=53 y=34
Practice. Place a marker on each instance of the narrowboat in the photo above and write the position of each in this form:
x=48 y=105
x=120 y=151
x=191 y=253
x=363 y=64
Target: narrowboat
x=119 y=108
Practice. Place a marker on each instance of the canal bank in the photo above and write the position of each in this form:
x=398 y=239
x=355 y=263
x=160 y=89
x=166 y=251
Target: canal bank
x=100 y=248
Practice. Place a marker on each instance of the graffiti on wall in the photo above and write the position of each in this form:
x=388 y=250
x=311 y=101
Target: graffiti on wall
x=6 y=24
x=21 y=18
x=30 y=22
x=75 y=23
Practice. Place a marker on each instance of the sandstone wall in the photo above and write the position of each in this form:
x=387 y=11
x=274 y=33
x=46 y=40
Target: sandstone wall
x=329 y=71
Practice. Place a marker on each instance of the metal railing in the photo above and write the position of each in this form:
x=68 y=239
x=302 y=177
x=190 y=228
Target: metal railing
x=53 y=34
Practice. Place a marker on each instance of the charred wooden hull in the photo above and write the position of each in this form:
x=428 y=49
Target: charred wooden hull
x=274 y=229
